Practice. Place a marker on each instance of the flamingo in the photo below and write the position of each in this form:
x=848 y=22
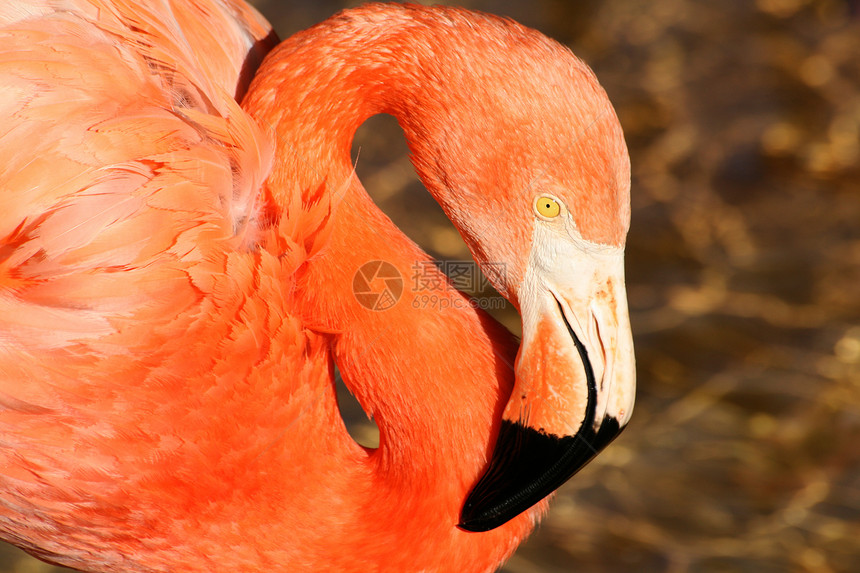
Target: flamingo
x=177 y=277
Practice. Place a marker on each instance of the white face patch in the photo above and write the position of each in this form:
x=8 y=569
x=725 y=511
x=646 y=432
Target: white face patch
x=586 y=280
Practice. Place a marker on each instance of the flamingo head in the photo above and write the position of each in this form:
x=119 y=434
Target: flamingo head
x=534 y=172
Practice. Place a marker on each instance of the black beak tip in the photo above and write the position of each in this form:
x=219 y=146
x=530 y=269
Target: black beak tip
x=528 y=465
x=473 y=524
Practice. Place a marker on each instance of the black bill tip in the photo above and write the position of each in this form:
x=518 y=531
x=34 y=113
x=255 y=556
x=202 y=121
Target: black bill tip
x=528 y=465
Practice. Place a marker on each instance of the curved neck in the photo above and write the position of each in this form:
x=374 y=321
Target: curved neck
x=421 y=67
x=434 y=372
x=320 y=85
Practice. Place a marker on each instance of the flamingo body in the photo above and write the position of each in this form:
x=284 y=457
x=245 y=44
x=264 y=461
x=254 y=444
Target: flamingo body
x=176 y=273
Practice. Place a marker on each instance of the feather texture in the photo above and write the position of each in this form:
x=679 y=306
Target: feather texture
x=176 y=278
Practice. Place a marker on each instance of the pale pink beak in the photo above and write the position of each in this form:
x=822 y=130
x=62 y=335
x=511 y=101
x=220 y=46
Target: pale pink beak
x=574 y=390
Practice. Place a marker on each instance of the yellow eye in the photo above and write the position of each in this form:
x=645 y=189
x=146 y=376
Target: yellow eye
x=547 y=207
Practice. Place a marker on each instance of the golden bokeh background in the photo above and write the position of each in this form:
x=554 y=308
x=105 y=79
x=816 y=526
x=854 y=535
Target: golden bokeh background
x=743 y=122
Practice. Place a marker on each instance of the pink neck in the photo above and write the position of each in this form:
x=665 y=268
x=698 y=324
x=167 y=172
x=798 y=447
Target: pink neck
x=435 y=377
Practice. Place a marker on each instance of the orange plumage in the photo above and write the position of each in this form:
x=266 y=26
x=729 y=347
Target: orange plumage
x=176 y=275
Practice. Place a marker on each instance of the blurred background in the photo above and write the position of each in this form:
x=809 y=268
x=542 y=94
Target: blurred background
x=743 y=262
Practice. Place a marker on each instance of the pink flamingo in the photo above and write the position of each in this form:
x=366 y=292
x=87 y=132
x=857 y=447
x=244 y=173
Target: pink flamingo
x=176 y=280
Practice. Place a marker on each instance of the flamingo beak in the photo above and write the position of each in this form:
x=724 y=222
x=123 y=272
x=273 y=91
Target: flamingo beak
x=575 y=382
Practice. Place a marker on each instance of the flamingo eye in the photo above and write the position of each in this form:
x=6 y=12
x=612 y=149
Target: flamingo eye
x=547 y=207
